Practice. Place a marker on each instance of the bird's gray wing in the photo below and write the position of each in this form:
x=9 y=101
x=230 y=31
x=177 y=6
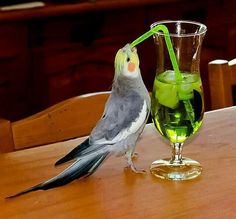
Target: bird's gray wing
x=120 y=114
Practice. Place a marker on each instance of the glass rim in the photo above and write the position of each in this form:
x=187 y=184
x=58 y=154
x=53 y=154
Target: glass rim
x=202 y=28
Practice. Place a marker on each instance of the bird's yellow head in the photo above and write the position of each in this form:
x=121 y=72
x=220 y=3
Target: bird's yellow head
x=127 y=62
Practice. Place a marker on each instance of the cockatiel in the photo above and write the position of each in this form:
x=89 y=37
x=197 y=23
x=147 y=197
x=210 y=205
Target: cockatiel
x=116 y=133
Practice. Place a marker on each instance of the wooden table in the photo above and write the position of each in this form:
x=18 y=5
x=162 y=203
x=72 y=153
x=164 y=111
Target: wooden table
x=113 y=192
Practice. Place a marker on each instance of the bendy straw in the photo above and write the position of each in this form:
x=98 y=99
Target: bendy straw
x=166 y=34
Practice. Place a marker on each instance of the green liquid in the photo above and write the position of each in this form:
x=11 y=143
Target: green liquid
x=177 y=109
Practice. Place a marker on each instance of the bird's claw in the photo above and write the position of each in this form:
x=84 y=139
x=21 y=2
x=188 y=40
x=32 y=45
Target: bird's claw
x=134 y=169
x=129 y=157
x=139 y=171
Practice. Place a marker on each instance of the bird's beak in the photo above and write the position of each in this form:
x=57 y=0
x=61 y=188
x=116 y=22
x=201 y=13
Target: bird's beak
x=134 y=49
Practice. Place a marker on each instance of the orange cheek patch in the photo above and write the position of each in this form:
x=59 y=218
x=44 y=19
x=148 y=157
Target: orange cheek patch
x=131 y=67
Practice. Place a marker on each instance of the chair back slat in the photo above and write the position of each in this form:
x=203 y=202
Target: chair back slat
x=220 y=84
x=68 y=119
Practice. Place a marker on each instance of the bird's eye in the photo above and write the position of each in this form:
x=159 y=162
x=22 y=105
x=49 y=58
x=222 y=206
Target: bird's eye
x=128 y=59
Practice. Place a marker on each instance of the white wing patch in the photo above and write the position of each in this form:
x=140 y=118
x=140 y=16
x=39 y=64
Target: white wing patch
x=135 y=125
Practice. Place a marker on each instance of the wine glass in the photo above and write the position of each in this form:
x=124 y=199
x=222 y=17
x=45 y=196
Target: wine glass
x=177 y=106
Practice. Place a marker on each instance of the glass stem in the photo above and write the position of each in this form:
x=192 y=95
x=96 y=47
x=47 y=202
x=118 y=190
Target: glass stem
x=176 y=153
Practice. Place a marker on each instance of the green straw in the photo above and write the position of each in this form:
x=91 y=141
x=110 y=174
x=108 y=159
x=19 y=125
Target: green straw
x=165 y=30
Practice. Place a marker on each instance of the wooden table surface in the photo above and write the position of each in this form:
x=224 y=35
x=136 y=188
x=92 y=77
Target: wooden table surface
x=113 y=192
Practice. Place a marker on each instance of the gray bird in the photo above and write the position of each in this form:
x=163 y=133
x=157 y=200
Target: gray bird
x=116 y=133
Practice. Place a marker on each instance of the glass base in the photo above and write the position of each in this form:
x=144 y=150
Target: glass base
x=186 y=170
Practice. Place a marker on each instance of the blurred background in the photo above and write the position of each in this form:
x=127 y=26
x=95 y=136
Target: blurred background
x=67 y=48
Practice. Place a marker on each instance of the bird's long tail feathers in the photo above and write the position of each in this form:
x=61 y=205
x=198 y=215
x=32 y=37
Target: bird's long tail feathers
x=75 y=153
x=82 y=167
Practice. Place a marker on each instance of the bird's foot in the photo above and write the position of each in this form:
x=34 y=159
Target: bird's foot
x=132 y=167
x=135 y=170
x=129 y=156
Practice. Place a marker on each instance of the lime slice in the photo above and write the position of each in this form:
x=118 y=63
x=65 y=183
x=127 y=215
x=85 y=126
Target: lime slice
x=190 y=82
x=185 y=91
x=166 y=94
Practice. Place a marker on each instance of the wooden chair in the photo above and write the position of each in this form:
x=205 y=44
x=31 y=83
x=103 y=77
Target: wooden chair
x=71 y=118
x=222 y=83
